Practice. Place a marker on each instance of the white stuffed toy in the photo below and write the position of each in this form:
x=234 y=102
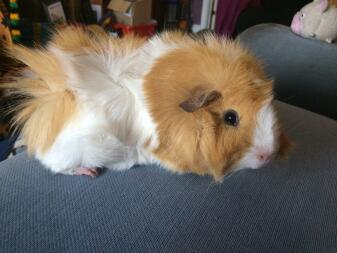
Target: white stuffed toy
x=317 y=20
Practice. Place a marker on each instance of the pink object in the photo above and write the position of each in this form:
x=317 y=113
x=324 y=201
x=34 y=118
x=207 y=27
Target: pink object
x=264 y=157
x=296 y=25
x=228 y=12
x=323 y=5
x=316 y=20
x=92 y=172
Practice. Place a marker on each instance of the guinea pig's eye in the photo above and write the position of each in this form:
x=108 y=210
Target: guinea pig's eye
x=302 y=15
x=231 y=118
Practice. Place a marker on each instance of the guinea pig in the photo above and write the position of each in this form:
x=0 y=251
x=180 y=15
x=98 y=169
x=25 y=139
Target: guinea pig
x=93 y=101
x=318 y=20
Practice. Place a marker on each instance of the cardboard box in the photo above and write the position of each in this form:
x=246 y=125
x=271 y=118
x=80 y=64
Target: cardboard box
x=131 y=12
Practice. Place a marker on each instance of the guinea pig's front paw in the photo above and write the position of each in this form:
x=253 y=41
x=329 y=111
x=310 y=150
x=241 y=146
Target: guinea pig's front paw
x=92 y=172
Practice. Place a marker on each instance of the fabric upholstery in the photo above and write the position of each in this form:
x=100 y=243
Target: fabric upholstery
x=304 y=69
x=288 y=206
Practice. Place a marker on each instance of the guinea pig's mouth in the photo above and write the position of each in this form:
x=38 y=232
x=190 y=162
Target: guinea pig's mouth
x=263 y=160
x=254 y=159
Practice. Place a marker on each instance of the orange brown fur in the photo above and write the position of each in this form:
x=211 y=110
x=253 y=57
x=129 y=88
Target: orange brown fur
x=199 y=142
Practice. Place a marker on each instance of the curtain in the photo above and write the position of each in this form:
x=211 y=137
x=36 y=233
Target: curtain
x=228 y=12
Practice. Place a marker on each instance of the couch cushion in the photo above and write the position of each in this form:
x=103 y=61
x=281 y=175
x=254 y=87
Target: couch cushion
x=304 y=69
x=288 y=206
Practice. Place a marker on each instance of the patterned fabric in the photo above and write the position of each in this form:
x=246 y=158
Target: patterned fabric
x=288 y=206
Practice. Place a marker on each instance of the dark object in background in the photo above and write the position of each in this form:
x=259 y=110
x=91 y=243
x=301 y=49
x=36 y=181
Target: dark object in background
x=88 y=14
x=158 y=12
x=5 y=34
x=5 y=40
x=75 y=10
x=35 y=33
x=284 y=4
x=184 y=15
x=272 y=11
x=35 y=26
x=14 y=17
x=33 y=10
x=3 y=8
x=227 y=13
x=6 y=145
x=79 y=11
x=54 y=11
x=172 y=14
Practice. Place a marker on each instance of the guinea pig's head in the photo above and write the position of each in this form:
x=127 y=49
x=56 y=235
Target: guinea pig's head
x=213 y=106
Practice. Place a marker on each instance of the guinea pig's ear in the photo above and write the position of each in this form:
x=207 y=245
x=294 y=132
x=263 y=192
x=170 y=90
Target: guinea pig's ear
x=200 y=98
x=322 y=5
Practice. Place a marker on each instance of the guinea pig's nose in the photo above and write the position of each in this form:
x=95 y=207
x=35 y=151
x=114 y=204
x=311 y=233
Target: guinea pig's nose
x=264 y=157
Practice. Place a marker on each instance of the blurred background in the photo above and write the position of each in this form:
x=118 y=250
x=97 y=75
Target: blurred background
x=35 y=17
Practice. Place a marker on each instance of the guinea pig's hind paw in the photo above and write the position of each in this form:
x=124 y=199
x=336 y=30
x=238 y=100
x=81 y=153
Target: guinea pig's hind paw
x=92 y=172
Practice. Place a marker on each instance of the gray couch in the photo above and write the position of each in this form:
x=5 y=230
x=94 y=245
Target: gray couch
x=288 y=206
x=304 y=70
